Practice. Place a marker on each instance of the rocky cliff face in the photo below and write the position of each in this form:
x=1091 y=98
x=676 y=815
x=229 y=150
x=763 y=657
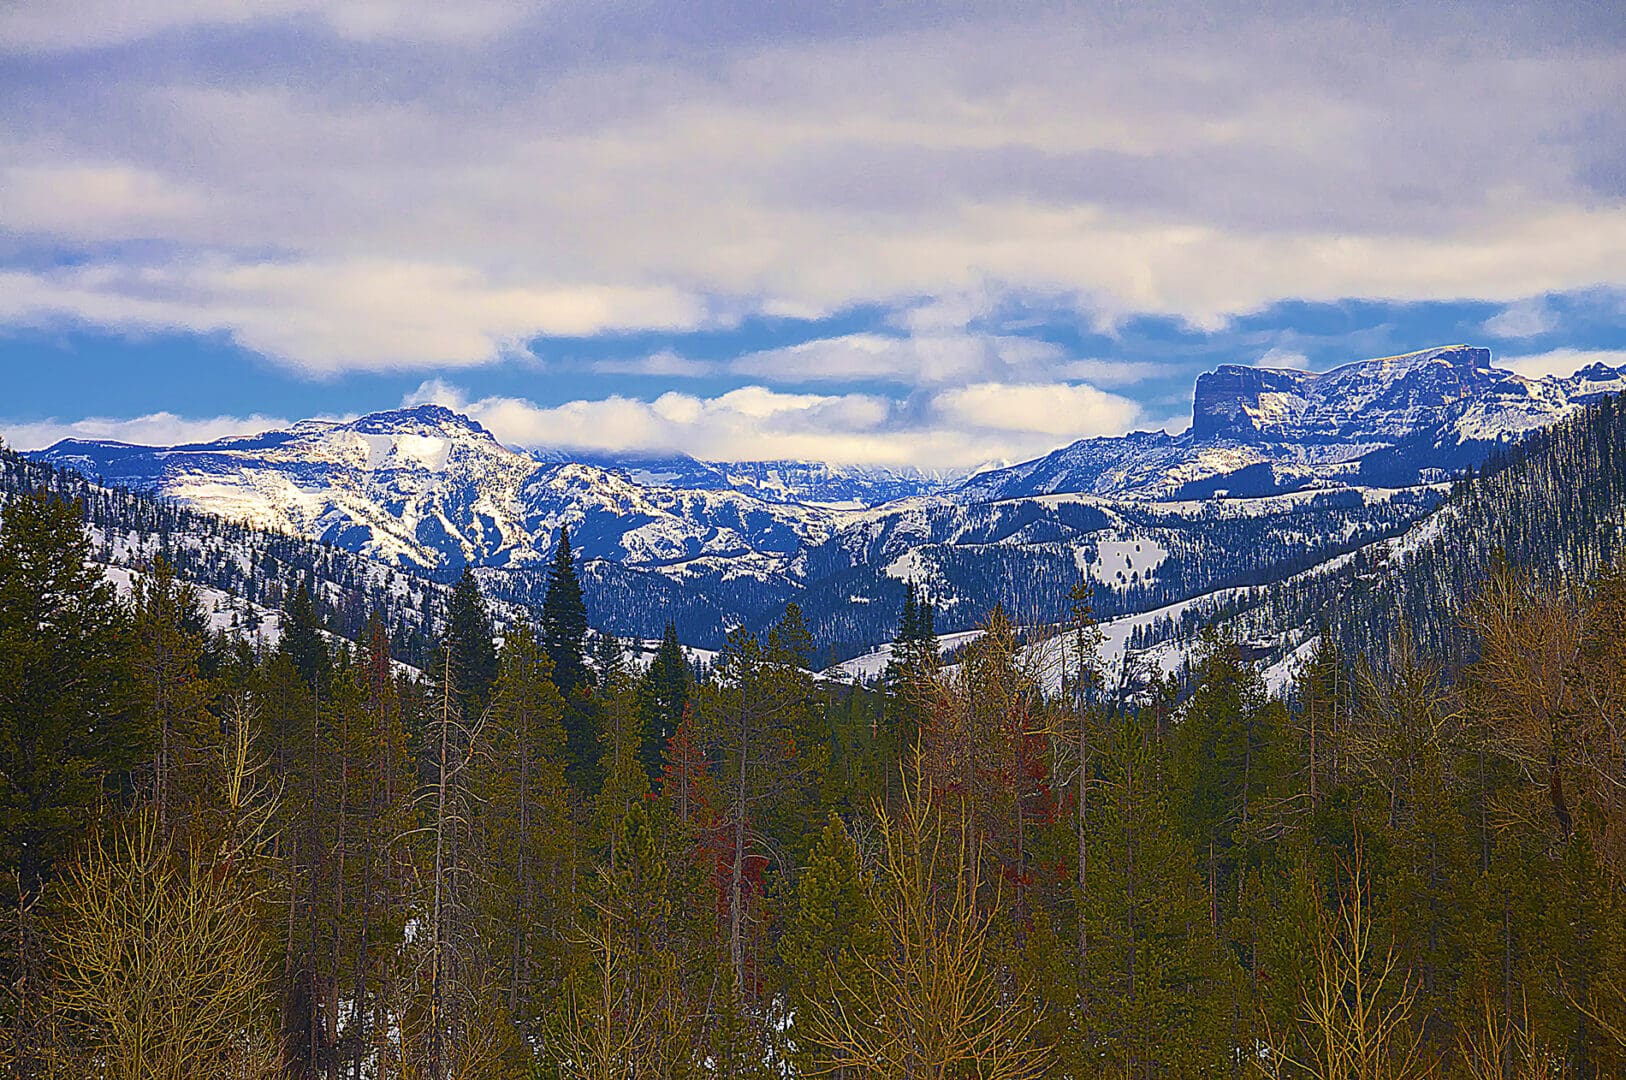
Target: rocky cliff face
x=1397 y=419
x=1388 y=398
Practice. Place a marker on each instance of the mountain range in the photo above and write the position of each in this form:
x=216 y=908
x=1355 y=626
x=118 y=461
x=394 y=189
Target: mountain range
x=1278 y=471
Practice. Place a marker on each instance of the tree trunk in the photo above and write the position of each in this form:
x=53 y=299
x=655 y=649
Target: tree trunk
x=736 y=950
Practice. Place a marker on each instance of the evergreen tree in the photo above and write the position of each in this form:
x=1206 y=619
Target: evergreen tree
x=564 y=639
x=1157 y=981
x=526 y=832
x=625 y=781
x=302 y=641
x=909 y=680
x=175 y=697
x=380 y=786
x=469 y=636
x=753 y=709
x=564 y=621
x=663 y=695
x=834 y=928
x=65 y=692
x=67 y=739
x=1227 y=755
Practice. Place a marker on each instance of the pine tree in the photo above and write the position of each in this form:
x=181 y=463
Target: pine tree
x=754 y=707
x=66 y=736
x=174 y=696
x=469 y=634
x=564 y=638
x=302 y=641
x=1157 y=980
x=380 y=851
x=910 y=680
x=625 y=781
x=564 y=621
x=1227 y=754
x=834 y=929
x=663 y=695
x=525 y=831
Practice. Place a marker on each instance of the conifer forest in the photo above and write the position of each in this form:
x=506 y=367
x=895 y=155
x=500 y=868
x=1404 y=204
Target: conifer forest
x=525 y=856
x=807 y=540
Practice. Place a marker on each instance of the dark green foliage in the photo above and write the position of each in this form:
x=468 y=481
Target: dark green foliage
x=663 y=696
x=1156 y=865
x=67 y=734
x=564 y=621
x=1158 y=982
x=302 y=641
x=469 y=636
x=1227 y=761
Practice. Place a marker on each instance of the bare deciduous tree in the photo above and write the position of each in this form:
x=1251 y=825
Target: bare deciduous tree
x=933 y=1005
x=162 y=963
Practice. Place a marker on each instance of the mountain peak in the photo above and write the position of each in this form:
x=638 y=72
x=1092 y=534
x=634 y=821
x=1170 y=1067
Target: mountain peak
x=1250 y=404
x=433 y=417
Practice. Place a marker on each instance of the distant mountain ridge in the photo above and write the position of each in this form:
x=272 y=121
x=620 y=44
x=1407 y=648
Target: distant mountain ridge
x=1391 y=421
x=1345 y=457
x=429 y=488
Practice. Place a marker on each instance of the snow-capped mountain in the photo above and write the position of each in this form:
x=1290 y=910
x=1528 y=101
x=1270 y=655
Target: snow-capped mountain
x=1280 y=470
x=428 y=488
x=1394 y=420
x=813 y=483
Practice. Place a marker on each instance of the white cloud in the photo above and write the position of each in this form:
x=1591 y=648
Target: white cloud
x=154 y=429
x=1562 y=362
x=932 y=358
x=663 y=363
x=1525 y=319
x=1058 y=409
x=326 y=317
x=1108 y=372
x=447 y=212
x=69 y=197
x=1276 y=357
x=79 y=24
x=758 y=423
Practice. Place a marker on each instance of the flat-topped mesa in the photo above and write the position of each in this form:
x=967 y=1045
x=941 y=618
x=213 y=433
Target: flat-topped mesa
x=1255 y=404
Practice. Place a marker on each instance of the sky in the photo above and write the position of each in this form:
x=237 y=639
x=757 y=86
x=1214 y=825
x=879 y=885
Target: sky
x=933 y=234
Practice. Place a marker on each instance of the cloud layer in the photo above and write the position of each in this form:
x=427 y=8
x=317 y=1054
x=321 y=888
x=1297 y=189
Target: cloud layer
x=955 y=428
x=154 y=429
x=357 y=185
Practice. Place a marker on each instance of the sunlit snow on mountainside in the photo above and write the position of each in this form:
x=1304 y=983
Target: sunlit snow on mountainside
x=1279 y=468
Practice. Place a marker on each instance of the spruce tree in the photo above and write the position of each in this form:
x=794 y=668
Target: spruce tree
x=754 y=710
x=525 y=830
x=1228 y=756
x=174 y=697
x=834 y=928
x=564 y=621
x=625 y=781
x=908 y=681
x=66 y=731
x=302 y=640
x=469 y=636
x=1157 y=981
x=663 y=694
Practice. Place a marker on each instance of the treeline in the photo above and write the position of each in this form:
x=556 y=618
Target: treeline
x=1551 y=503
x=529 y=859
x=254 y=566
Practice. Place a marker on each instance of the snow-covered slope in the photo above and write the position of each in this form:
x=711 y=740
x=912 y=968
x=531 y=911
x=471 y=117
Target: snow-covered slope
x=1394 y=420
x=811 y=482
x=427 y=488
x=1279 y=470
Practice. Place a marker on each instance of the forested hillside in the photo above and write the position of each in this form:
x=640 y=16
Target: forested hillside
x=1554 y=506
x=131 y=530
x=230 y=860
